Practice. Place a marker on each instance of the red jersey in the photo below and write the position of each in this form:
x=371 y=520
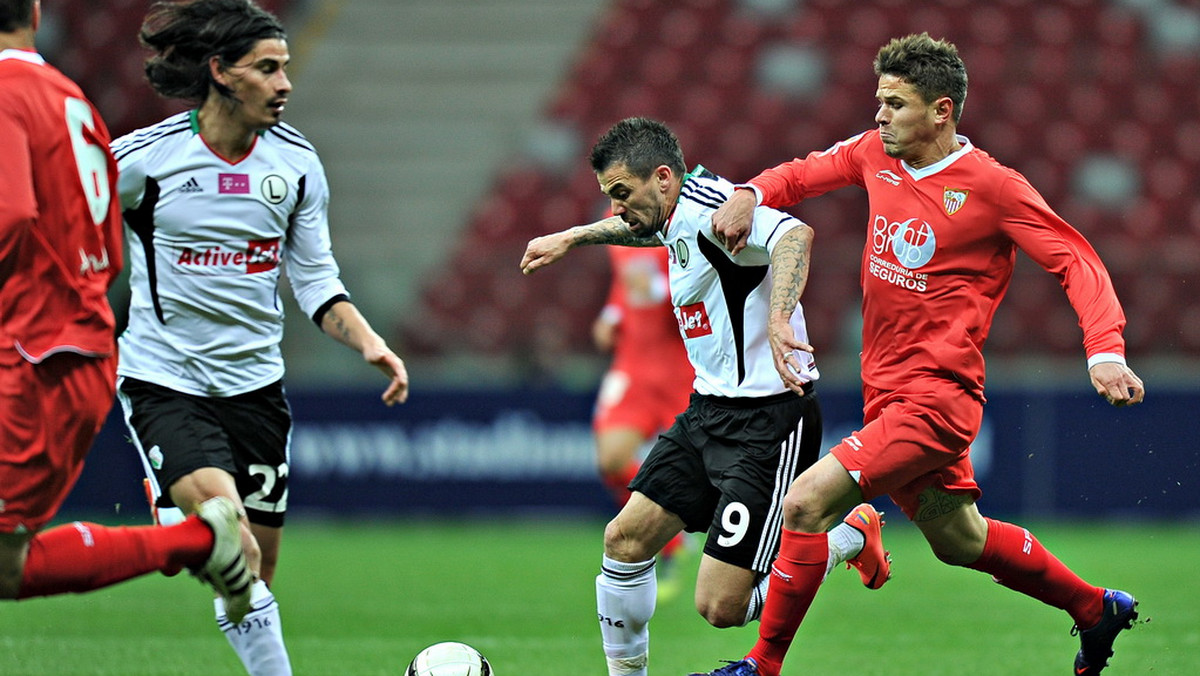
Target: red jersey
x=648 y=340
x=941 y=246
x=60 y=221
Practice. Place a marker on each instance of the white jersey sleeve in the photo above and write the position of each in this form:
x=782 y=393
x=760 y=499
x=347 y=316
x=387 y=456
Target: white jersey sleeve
x=308 y=257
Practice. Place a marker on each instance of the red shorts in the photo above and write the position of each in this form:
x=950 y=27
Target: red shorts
x=914 y=437
x=647 y=404
x=49 y=415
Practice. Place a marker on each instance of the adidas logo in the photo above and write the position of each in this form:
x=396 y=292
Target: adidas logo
x=191 y=186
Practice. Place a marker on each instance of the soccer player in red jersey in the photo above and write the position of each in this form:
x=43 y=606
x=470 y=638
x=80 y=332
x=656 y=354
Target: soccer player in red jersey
x=60 y=250
x=946 y=221
x=649 y=381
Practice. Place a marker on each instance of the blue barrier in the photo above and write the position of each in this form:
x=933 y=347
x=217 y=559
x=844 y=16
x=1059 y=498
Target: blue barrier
x=503 y=451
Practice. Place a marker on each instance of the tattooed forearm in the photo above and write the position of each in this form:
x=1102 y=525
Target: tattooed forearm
x=789 y=263
x=338 y=327
x=611 y=230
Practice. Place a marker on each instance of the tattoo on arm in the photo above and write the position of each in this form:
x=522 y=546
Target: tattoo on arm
x=612 y=230
x=789 y=263
x=338 y=326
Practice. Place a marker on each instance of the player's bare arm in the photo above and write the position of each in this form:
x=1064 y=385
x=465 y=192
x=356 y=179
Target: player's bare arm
x=547 y=249
x=789 y=275
x=346 y=324
x=731 y=223
x=1117 y=383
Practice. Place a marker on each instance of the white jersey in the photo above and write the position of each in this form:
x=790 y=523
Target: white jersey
x=721 y=301
x=207 y=239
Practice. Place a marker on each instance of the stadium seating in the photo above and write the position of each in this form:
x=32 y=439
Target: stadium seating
x=1053 y=86
x=102 y=55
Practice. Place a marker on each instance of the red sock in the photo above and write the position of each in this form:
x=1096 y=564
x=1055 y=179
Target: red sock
x=80 y=557
x=617 y=482
x=1018 y=561
x=795 y=578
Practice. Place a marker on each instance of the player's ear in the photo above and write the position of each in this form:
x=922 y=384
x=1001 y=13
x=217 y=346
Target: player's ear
x=663 y=175
x=943 y=110
x=218 y=73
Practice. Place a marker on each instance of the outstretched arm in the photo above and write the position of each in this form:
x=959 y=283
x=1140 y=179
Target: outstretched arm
x=789 y=275
x=346 y=324
x=542 y=251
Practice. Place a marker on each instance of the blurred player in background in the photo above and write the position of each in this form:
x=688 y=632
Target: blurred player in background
x=218 y=201
x=725 y=463
x=60 y=250
x=946 y=223
x=648 y=383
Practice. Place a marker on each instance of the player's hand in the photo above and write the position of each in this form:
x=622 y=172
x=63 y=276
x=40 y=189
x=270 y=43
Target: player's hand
x=392 y=366
x=784 y=347
x=542 y=251
x=731 y=222
x=1117 y=383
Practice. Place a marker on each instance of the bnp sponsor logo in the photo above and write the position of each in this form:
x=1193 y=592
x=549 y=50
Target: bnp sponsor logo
x=693 y=320
x=260 y=255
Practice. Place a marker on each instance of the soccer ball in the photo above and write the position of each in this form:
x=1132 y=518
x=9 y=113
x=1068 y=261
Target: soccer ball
x=449 y=659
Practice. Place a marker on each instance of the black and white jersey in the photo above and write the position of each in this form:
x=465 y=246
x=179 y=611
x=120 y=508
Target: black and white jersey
x=207 y=241
x=721 y=301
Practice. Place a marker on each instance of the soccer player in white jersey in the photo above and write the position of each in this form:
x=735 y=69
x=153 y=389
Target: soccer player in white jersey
x=725 y=464
x=217 y=202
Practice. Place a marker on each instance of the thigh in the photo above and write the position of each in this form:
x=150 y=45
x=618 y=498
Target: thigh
x=50 y=414
x=753 y=456
x=914 y=438
x=260 y=427
x=674 y=475
x=176 y=434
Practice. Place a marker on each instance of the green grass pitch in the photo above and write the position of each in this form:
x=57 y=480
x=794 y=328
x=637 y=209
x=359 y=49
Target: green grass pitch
x=363 y=598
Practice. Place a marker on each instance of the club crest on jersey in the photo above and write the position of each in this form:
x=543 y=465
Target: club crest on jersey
x=260 y=255
x=233 y=184
x=679 y=254
x=954 y=199
x=274 y=189
x=693 y=320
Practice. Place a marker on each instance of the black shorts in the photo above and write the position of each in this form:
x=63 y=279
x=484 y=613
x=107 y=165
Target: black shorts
x=725 y=465
x=246 y=435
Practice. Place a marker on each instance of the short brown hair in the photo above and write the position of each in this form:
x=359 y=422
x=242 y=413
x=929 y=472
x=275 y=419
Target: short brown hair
x=932 y=66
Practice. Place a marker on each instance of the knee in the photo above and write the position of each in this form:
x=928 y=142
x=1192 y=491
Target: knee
x=622 y=545
x=803 y=512
x=957 y=547
x=722 y=613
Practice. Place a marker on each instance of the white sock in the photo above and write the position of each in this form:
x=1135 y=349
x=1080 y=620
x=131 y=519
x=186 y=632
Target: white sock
x=758 y=596
x=845 y=542
x=258 y=640
x=625 y=597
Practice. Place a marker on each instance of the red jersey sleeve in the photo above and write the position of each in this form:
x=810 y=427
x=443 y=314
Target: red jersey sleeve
x=1063 y=252
x=816 y=174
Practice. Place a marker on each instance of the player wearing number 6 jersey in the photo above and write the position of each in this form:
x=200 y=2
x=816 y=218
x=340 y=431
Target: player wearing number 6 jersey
x=60 y=249
x=725 y=464
x=218 y=201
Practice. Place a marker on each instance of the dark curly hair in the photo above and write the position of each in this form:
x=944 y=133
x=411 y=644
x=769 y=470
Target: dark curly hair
x=932 y=66
x=186 y=35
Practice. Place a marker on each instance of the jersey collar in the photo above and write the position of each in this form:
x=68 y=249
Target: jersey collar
x=941 y=164
x=22 y=55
